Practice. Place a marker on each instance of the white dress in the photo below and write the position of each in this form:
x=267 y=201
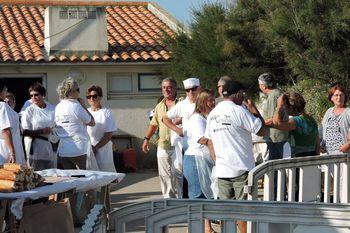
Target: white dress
x=104 y=123
x=10 y=119
x=34 y=118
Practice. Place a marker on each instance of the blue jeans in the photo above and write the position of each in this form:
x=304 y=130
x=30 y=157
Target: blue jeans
x=191 y=174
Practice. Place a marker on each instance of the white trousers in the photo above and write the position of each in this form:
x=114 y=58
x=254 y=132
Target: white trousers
x=170 y=175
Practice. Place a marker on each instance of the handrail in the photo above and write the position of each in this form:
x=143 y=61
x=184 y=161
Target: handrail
x=270 y=166
x=314 y=214
x=96 y=221
x=118 y=218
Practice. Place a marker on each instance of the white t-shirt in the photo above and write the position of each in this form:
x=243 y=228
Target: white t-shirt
x=194 y=129
x=10 y=119
x=71 y=119
x=230 y=126
x=183 y=109
x=104 y=123
x=34 y=118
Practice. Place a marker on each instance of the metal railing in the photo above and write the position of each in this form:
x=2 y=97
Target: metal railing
x=96 y=221
x=194 y=212
x=315 y=175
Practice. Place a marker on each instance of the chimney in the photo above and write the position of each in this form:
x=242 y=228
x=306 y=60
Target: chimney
x=75 y=29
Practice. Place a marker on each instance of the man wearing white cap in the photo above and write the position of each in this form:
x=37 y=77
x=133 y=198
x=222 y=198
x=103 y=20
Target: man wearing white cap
x=178 y=115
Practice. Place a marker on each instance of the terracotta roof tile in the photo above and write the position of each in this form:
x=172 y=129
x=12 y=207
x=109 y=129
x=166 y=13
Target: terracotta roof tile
x=133 y=32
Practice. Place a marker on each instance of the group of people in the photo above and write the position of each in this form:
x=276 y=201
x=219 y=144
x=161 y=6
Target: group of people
x=200 y=133
x=67 y=136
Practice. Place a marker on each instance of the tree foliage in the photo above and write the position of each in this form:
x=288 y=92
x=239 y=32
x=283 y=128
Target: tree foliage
x=303 y=42
x=199 y=53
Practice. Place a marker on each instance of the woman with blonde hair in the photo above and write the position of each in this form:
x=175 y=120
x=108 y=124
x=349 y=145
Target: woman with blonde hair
x=197 y=164
x=72 y=117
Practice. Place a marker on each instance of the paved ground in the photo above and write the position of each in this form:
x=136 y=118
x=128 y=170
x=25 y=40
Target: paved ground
x=138 y=187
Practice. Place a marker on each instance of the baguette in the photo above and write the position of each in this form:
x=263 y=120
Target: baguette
x=7 y=186
x=10 y=175
x=15 y=167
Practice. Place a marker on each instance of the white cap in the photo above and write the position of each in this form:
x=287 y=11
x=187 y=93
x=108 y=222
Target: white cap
x=191 y=82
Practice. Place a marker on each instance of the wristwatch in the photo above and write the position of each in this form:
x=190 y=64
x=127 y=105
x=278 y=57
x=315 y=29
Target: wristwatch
x=146 y=138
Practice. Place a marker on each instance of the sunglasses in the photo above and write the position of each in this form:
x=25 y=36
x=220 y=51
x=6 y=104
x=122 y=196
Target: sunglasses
x=91 y=96
x=36 y=95
x=192 y=89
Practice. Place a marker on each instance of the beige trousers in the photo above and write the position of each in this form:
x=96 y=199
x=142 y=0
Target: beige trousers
x=170 y=177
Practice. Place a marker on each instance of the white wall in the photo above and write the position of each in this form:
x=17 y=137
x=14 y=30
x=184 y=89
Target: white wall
x=129 y=112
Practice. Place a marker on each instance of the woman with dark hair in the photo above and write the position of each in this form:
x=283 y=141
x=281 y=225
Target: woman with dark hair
x=302 y=127
x=11 y=149
x=38 y=121
x=336 y=122
x=101 y=133
x=335 y=128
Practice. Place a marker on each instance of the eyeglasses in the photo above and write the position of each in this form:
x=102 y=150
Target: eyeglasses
x=192 y=89
x=36 y=95
x=93 y=96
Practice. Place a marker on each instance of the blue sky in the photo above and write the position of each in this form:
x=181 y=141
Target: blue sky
x=181 y=9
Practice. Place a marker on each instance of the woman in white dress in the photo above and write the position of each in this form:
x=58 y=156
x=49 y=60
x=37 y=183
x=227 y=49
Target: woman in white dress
x=101 y=133
x=11 y=149
x=71 y=118
x=38 y=121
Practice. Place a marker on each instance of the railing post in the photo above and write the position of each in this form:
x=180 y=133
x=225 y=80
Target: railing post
x=269 y=186
x=281 y=184
x=327 y=184
x=346 y=179
x=291 y=184
x=195 y=224
x=336 y=183
x=301 y=185
x=228 y=226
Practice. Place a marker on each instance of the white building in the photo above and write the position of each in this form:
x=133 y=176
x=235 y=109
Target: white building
x=116 y=45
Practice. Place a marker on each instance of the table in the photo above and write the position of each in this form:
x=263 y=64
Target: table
x=90 y=180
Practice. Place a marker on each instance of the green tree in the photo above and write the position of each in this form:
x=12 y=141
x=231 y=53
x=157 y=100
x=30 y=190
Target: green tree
x=199 y=53
x=314 y=36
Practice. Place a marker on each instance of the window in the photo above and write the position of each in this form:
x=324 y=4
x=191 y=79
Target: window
x=149 y=82
x=77 y=13
x=119 y=83
x=133 y=85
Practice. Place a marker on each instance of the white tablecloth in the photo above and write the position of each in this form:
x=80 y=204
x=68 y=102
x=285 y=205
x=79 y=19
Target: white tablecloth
x=92 y=180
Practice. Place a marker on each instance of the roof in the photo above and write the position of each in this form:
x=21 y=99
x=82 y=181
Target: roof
x=134 y=35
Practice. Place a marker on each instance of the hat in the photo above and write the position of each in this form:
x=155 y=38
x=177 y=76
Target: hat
x=231 y=87
x=191 y=82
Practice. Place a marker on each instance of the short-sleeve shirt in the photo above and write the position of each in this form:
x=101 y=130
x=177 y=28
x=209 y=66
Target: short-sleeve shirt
x=269 y=110
x=230 y=126
x=303 y=138
x=10 y=119
x=34 y=118
x=183 y=109
x=164 y=132
x=194 y=129
x=71 y=119
x=104 y=123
